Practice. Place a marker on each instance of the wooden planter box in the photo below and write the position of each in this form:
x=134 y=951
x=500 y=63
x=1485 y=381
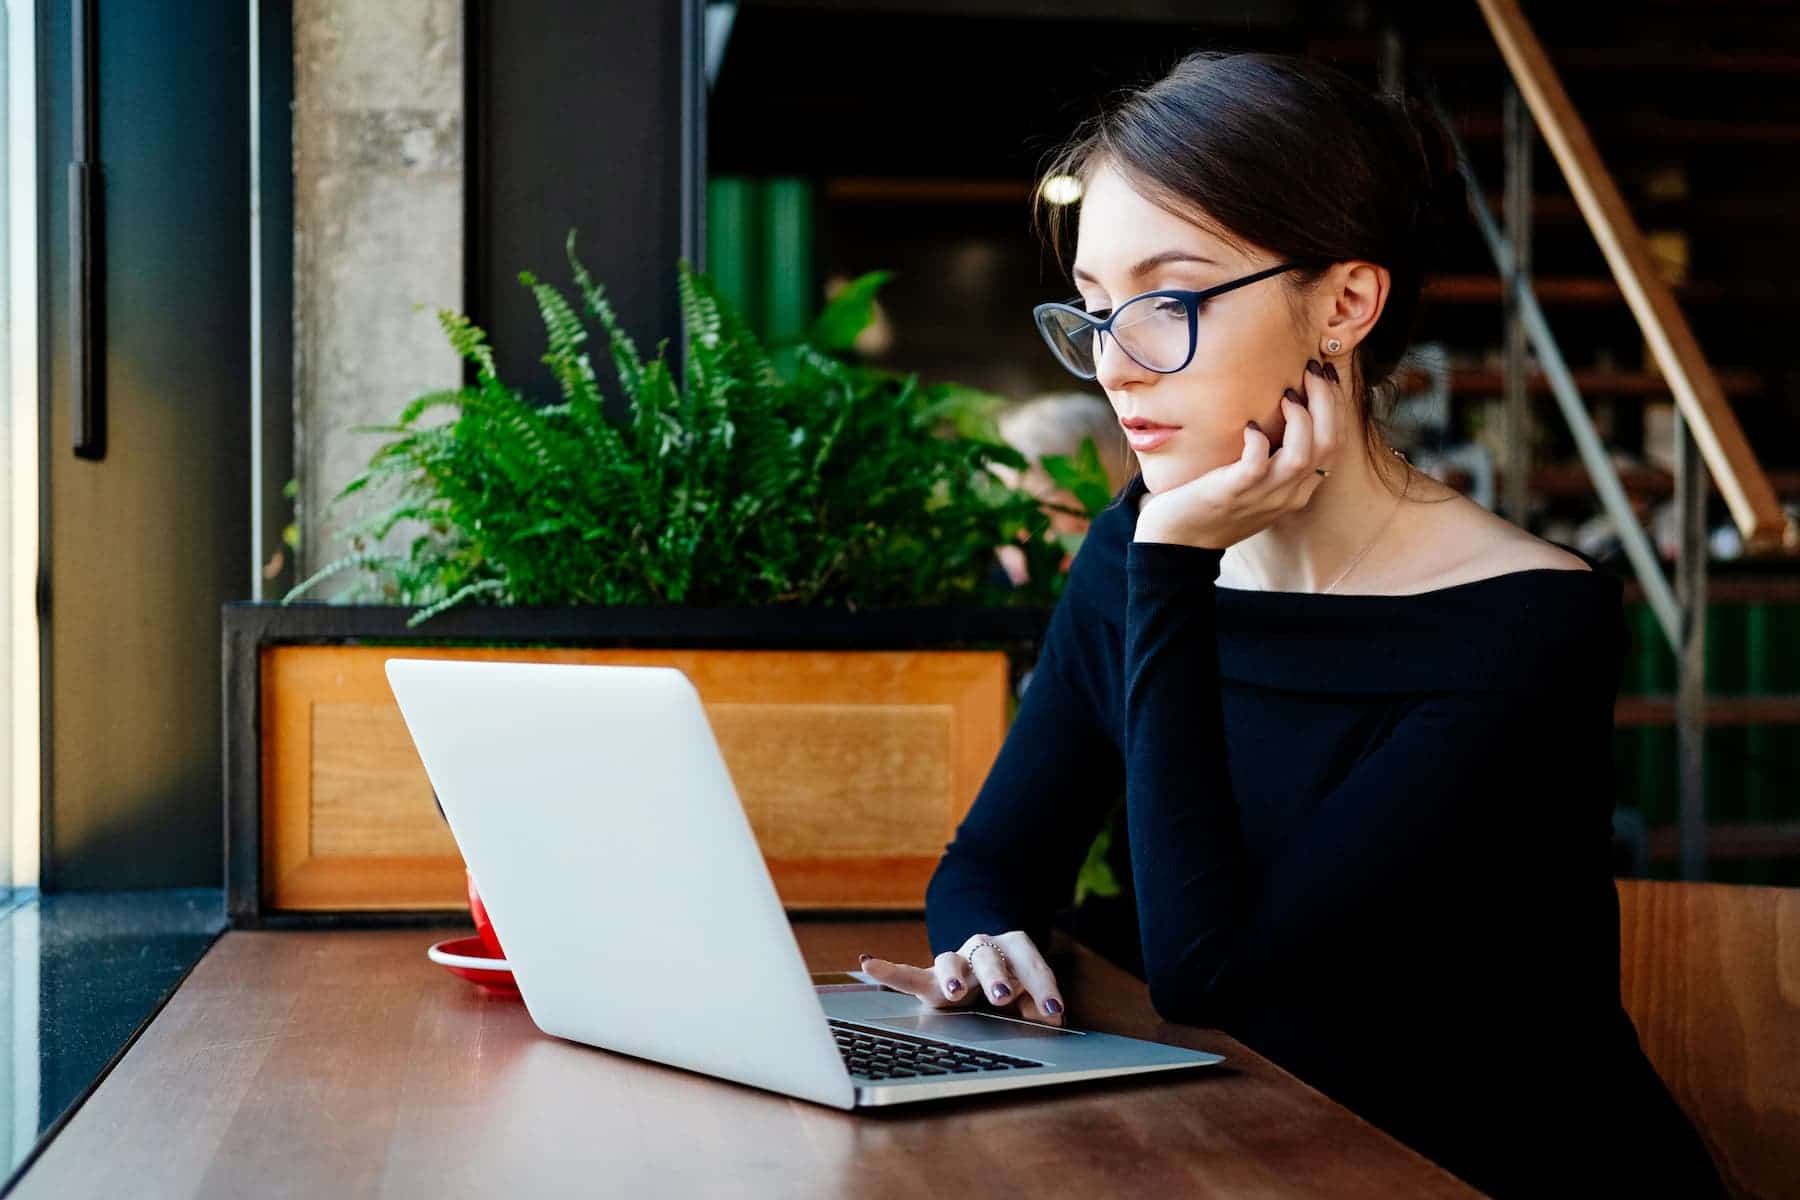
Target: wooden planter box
x=856 y=741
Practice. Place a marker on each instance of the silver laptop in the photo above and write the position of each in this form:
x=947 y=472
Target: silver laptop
x=601 y=825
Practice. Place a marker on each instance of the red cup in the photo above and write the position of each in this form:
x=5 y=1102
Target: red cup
x=484 y=927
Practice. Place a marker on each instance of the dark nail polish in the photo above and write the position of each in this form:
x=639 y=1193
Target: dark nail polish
x=954 y=986
x=863 y=958
x=1296 y=397
x=1052 y=1006
x=1312 y=364
x=1001 y=991
x=1331 y=373
x=1251 y=424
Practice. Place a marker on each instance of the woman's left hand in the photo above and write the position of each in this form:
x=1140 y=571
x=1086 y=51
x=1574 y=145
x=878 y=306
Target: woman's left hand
x=1229 y=503
x=1017 y=977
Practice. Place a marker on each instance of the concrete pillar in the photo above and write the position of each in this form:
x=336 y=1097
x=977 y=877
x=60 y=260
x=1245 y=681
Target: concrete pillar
x=378 y=241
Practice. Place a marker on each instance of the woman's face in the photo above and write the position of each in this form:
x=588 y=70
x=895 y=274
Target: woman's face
x=1248 y=346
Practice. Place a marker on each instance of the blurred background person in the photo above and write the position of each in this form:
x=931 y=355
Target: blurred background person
x=1056 y=424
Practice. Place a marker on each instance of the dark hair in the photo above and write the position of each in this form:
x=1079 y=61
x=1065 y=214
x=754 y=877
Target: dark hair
x=1293 y=156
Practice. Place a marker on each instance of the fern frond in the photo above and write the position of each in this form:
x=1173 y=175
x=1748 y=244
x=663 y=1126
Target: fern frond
x=450 y=601
x=624 y=352
x=366 y=558
x=470 y=342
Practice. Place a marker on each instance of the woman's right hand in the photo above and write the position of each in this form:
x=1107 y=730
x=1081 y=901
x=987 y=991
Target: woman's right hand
x=1227 y=504
x=1020 y=978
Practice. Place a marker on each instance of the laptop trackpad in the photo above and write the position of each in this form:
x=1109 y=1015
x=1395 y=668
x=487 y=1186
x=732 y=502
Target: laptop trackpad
x=970 y=1027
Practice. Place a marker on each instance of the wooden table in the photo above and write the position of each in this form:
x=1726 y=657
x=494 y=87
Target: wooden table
x=344 y=1064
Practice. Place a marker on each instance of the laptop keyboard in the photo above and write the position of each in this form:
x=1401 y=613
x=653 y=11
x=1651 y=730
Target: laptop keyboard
x=873 y=1055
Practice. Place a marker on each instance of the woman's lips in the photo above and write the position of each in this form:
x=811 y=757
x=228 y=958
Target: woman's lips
x=1144 y=436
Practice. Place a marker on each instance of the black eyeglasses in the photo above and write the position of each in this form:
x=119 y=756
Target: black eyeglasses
x=1157 y=329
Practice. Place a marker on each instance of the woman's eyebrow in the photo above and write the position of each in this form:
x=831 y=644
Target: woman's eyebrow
x=1155 y=260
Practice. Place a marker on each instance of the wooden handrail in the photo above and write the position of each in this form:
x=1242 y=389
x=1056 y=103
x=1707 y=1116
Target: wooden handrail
x=1729 y=457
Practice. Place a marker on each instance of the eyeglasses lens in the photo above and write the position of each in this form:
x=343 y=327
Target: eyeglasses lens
x=1070 y=338
x=1151 y=329
x=1154 y=330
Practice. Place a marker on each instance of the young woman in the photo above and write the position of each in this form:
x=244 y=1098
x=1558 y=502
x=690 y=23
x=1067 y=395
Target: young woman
x=1363 y=726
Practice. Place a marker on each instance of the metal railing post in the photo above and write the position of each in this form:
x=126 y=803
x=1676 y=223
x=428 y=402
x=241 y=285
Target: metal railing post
x=1690 y=694
x=1516 y=492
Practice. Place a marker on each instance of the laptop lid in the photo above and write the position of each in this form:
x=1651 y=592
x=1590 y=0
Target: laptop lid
x=596 y=813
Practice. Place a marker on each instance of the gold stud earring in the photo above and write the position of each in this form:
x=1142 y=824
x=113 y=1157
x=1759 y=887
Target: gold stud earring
x=1333 y=346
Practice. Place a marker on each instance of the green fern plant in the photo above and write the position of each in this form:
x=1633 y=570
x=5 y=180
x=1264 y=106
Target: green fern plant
x=788 y=474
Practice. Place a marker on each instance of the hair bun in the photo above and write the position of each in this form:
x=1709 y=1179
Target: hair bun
x=1440 y=195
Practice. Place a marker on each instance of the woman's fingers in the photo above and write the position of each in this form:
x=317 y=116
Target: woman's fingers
x=1256 y=445
x=917 y=981
x=1325 y=404
x=1295 y=457
x=1253 y=464
x=1024 y=974
x=956 y=983
x=1040 y=999
x=997 y=982
x=1021 y=977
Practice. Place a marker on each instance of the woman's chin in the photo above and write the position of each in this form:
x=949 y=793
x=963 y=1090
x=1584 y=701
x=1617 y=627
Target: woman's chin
x=1164 y=474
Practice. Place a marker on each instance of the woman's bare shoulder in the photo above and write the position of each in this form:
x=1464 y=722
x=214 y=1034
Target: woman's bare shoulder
x=1462 y=541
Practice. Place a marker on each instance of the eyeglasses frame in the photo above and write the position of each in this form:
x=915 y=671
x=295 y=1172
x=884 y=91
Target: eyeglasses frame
x=1190 y=299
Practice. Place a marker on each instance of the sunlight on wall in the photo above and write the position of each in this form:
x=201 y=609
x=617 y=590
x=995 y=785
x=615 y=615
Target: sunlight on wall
x=19 y=759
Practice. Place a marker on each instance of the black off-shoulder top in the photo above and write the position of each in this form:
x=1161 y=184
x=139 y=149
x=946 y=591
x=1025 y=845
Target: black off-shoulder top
x=1370 y=836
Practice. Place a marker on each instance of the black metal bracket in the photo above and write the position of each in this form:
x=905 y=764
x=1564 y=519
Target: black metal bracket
x=87 y=307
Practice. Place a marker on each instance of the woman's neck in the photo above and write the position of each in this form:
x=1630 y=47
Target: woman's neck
x=1358 y=510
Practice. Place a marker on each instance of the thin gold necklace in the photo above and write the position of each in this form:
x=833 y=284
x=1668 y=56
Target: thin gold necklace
x=1371 y=544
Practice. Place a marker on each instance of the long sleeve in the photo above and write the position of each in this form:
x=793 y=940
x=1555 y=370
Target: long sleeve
x=1016 y=853
x=1215 y=925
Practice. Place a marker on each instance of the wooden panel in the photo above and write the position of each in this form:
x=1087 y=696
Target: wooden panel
x=1732 y=839
x=853 y=767
x=824 y=780
x=265 y=1075
x=1710 y=974
x=369 y=791
x=1659 y=708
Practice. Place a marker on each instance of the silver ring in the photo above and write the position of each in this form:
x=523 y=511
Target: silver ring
x=970 y=953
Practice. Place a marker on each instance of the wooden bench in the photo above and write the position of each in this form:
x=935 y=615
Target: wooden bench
x=1710 y=973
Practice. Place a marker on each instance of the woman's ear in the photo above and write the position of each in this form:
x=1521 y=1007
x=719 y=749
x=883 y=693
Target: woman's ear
x=1353 y=301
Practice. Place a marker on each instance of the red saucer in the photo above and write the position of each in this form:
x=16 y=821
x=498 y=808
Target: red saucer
x=468 y=957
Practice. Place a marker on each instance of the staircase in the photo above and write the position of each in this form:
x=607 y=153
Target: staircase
x=1708 y=717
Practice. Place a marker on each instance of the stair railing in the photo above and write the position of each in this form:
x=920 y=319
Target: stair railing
x=1707 y=432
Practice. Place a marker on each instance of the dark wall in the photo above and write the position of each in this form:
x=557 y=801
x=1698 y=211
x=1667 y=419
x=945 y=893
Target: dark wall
x=274 y=251
x=141 y=546
x=577 y=118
